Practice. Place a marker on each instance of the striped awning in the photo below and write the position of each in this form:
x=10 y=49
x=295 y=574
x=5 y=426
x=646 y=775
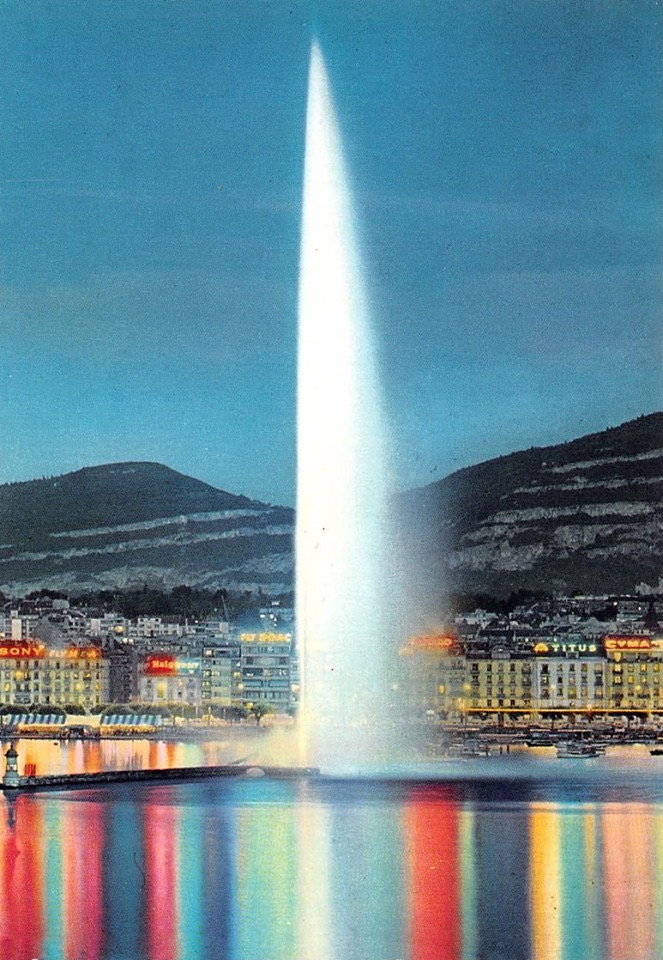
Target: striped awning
x=131 y=720
x=27 y=719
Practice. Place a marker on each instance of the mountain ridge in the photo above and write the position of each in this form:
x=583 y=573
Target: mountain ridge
x=583 y=514
x=123 y=524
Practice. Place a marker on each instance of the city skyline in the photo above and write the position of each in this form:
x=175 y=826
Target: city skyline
x=505 y=172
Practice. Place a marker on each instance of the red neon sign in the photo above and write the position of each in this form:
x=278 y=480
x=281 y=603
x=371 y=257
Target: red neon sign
x=161 y=665
x=431 y=641
x=29 y=651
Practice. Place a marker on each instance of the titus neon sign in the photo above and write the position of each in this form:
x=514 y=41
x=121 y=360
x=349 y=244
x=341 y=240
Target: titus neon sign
x=566 y=647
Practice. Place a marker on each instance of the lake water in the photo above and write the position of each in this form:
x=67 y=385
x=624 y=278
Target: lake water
x=520 y=858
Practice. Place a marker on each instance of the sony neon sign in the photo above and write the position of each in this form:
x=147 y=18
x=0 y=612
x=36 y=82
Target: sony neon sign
x=28 y=651
x=37 y=651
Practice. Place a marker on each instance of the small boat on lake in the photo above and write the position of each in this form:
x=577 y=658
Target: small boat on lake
x=466 y=750
x=540 y=741
x=571 y=749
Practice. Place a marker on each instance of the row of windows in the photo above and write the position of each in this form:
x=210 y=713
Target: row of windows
x=267 y=649
x=282 y=696
x=27 y=685
x=502 y=667
x=502 y=702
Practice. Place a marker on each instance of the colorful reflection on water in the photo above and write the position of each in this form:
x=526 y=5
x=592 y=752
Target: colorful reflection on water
x=92 y=756
x=267 y=870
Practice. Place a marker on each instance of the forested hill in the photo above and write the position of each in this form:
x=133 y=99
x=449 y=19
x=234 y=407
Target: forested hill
x=123 y=524
x=587 y=514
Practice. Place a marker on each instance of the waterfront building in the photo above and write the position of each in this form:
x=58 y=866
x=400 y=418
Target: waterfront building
x=122 y=674
x=168 y=678
x=221 y=681
x=31 y=673
x=634 y=668
x=266 y=677
x=558 y=675
x=434 y=678
x=569 y=675
x=501 y=681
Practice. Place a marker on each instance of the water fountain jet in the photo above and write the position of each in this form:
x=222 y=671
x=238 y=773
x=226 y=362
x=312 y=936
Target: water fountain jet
x=342 y=600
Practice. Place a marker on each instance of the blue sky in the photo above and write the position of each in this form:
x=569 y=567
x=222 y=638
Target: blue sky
x=506 y=162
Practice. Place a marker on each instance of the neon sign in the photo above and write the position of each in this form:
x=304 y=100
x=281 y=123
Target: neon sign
x=77 y=653
x=265 y=638
x=432 y=641
x=29 y=651
x=632 y=643
x=37 y=651
x=564 y=647
x=160 y=665
x=167 y=665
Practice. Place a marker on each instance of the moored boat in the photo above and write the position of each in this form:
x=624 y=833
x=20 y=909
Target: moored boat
x=576 y=750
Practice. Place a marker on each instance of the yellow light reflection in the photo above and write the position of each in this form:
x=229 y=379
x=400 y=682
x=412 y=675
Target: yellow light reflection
x=545 y=882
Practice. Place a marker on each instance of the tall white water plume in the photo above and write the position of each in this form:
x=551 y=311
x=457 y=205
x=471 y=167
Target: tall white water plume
x=342 y=489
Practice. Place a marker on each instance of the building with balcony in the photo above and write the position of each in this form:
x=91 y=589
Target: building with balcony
x=168 y=678
x=32 y=673
x=265 y=664
x=221 y=680
x=573 y=675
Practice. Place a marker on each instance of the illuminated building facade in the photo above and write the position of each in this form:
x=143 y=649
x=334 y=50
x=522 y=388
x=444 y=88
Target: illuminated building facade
x=634 y=673
x=266 y=669
x=435 y=681
x=168 y=678
x=569 y=676
x=499 y=682
x=221 y=675
x=603 y=677
x=32 y=673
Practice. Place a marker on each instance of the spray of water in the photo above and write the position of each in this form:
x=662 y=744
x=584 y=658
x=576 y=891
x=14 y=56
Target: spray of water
x=342 y=599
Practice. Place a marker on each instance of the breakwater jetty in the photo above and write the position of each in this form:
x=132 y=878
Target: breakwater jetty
x=13 y=781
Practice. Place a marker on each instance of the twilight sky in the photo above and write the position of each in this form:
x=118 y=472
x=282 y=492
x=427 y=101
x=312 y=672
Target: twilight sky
x=506 y=158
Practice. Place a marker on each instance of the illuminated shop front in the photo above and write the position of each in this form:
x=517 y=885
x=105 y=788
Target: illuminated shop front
x=634 y=665
x=168 y=678
x=612 y=675
x=32 y=673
